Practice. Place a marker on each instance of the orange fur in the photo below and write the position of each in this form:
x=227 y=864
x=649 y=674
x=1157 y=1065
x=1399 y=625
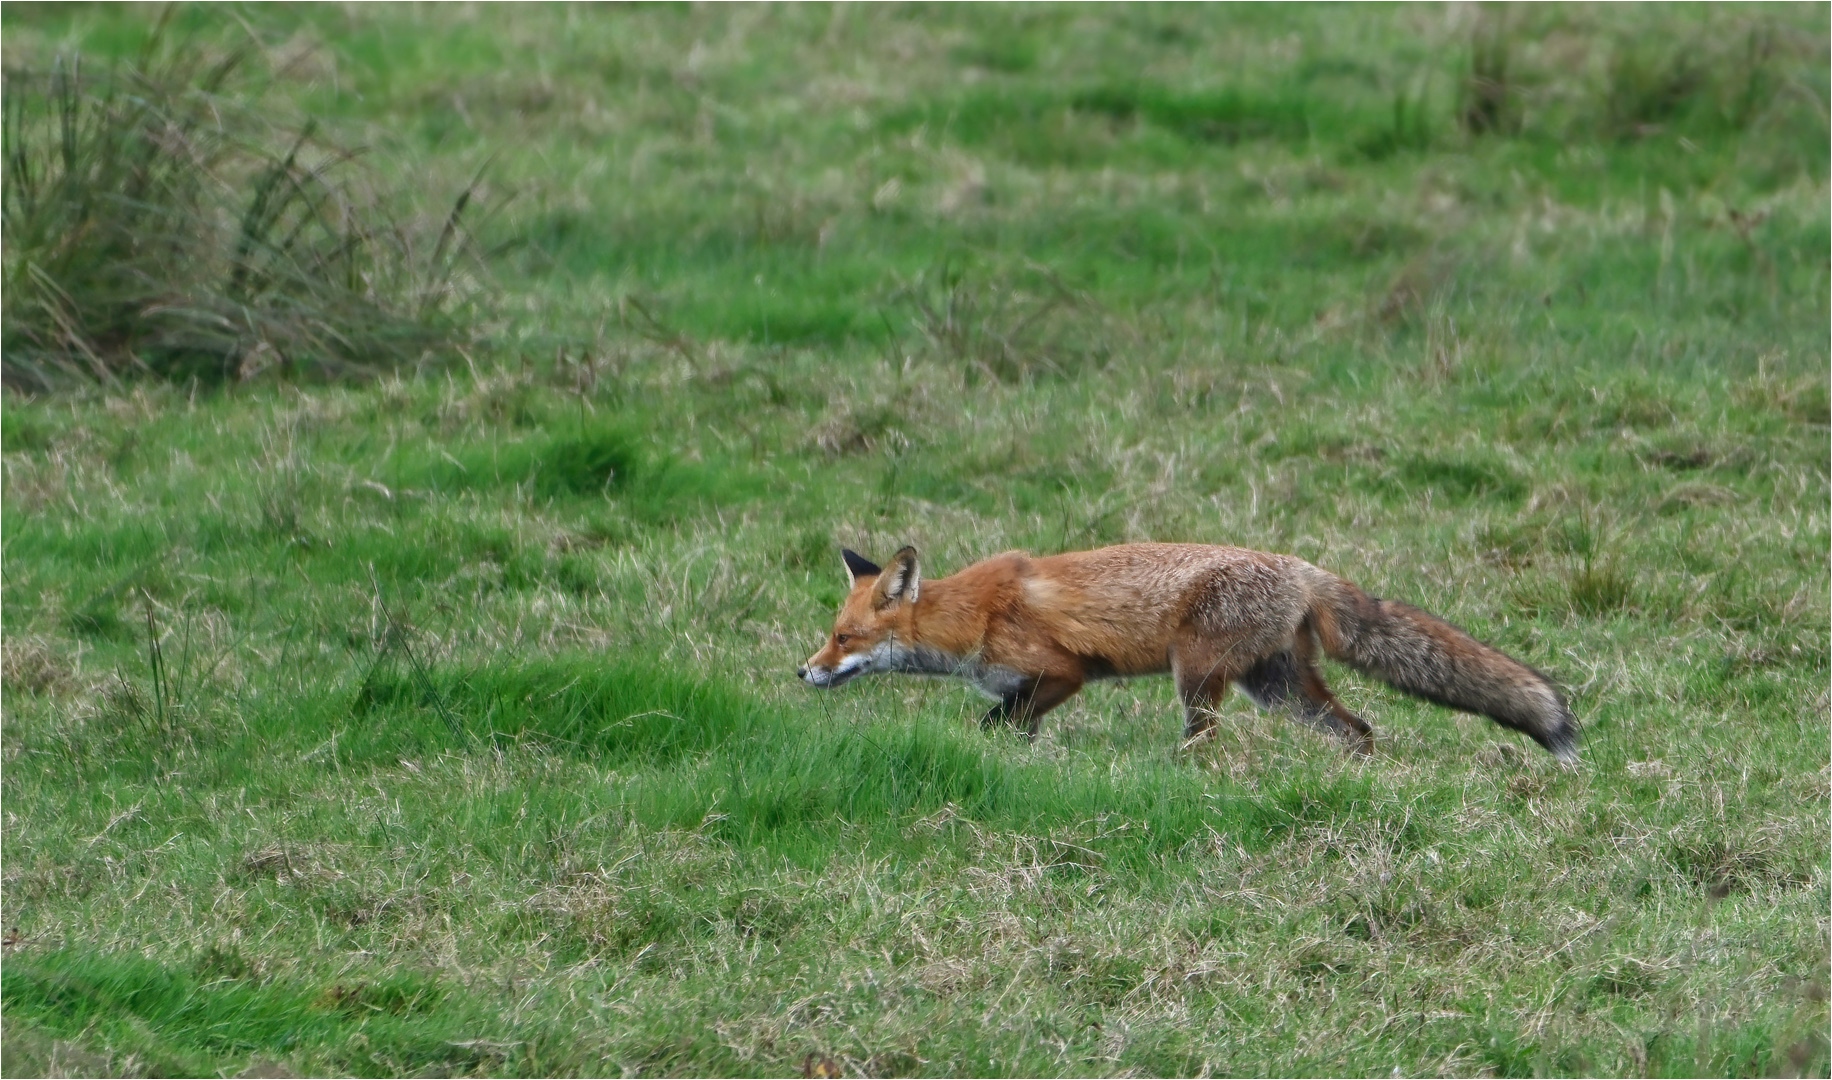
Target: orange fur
x=1031 y=631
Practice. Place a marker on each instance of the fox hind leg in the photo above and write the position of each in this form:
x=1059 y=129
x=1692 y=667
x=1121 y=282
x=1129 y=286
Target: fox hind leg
x=1203 y=669
x=1359 y=735
x=1289 y=680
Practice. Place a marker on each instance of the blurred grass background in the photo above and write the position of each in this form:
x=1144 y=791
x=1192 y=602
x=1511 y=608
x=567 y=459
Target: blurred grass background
x=419 y=488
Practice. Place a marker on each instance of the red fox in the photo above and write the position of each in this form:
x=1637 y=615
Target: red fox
x=1029 y=632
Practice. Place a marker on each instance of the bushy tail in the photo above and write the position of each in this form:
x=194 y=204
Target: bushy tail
x=1424 y=655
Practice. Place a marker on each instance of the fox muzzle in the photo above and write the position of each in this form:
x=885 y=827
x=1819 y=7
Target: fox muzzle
x=827 y=678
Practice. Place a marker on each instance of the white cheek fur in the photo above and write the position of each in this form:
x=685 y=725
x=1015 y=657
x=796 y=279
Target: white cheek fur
x=884 y=656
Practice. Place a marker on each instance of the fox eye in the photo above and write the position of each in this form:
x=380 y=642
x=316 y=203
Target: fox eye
x=841 y=639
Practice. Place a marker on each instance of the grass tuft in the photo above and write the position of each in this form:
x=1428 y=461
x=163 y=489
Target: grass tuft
x=160 y=223
x=1008 y=329
x=1489 y=100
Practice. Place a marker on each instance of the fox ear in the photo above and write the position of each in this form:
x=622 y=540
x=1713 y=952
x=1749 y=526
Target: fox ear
x=902 y=581
x=858 y=566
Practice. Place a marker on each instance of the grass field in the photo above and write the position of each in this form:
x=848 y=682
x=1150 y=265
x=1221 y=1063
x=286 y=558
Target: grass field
x=443 y=723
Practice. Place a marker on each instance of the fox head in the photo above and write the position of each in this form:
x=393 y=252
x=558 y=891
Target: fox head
x=872 y=631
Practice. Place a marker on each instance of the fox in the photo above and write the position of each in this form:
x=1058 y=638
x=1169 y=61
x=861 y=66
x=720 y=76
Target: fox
x=1029 y=632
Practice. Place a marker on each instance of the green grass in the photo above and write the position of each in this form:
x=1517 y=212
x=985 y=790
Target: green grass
x=445 y=723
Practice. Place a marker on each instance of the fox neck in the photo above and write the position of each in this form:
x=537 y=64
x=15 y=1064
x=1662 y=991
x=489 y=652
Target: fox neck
x=940 y=635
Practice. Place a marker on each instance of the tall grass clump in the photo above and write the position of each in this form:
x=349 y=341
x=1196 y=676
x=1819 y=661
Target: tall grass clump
x=159 y=222
x=1487 y=102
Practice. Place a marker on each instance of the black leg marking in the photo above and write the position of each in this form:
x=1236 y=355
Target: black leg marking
x=1273 y=683
x=1289 y=682
x=1024 y=708
x=1000 y=714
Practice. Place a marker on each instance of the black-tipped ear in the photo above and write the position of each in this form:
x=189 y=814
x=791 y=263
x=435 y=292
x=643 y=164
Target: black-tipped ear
x=858 y=566
x=902 y=581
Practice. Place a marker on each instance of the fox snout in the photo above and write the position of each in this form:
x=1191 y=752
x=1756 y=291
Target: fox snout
x=825 y=677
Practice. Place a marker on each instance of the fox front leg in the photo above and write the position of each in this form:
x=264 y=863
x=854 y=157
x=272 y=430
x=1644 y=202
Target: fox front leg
x=1024 y=707
x=1000 y=713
